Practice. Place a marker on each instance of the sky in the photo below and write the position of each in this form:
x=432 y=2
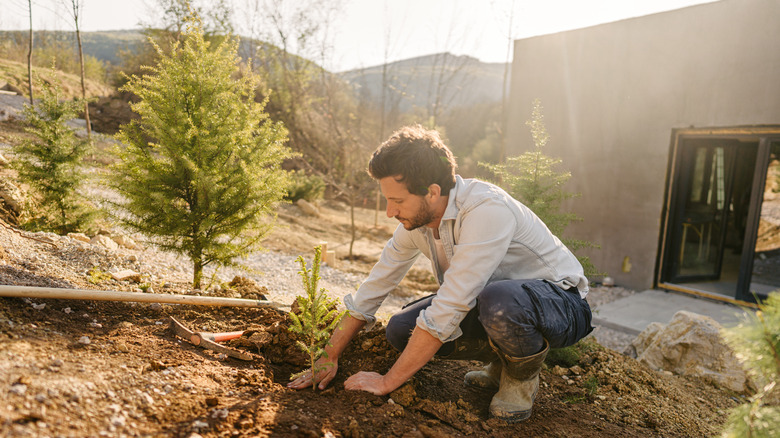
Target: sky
x=370 y=32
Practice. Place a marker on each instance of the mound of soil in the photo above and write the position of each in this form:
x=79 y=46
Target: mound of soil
x=134 y=377
x=83 y=368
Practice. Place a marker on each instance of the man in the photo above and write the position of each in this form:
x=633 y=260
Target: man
x=509 y=289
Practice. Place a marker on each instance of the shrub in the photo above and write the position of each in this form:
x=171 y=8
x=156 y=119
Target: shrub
x=756 y=342
x=303 y=186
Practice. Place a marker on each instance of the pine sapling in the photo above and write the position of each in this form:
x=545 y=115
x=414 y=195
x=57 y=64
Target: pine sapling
x=533 y=178
x=317 y=319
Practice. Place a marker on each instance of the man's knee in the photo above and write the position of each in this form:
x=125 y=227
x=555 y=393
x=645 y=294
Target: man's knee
x=502 y=300
x=399 y=331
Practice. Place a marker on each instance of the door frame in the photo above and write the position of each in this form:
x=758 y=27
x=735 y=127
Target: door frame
x=764 y=135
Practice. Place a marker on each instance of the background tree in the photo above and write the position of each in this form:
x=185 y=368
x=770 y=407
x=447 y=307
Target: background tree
x=51 y=164
x=532 y=178
x=201 y=172
x=29 y=55
x=74 y=8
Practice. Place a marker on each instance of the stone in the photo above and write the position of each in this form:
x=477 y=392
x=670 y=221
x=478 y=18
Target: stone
x=105 y=242
x=307 y=207
x=125 y=241
x=11 y=195
x=81 y=237
x=691 y=345
x=126 y=275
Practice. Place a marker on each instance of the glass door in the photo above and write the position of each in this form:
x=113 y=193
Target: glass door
x=763 y=264
x=700 y=210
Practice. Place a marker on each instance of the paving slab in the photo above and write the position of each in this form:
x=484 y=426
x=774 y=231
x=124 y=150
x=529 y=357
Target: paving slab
x=634 y=313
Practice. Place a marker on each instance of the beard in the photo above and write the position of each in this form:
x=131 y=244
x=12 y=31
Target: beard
x=424 y=216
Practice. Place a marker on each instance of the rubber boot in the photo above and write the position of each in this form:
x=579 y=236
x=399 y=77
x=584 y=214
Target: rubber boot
x=488 y=377
x=517 y=386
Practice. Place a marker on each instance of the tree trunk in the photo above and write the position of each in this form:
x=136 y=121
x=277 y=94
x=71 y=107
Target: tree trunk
x=29 y=55
x=83 y=85
x=352 y=222
x=197 y=272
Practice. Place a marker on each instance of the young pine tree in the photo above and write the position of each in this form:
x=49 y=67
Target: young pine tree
x=200 y=174
x=756 y=342
x=51 y=164
x=532 y=178
x=317 y=318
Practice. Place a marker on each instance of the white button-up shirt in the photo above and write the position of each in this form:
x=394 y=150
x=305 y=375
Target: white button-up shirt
x=487 y=236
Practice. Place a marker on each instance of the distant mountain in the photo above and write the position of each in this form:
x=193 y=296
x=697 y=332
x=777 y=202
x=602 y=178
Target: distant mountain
x=462 y=81
x=416 y=82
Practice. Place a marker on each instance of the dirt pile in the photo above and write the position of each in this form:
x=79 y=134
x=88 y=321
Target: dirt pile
x=80 y=368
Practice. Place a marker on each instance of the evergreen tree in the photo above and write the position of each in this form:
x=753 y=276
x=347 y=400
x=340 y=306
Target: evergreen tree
x=756 y=342
x=533 y=179
x=200 y=174
x=51 y=164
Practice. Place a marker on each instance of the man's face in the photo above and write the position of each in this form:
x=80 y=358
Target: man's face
x=411 y=210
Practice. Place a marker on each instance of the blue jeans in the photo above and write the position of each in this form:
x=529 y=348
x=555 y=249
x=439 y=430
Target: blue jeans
x=517 y=315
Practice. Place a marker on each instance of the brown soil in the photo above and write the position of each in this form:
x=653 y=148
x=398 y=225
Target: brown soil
x=136 y=378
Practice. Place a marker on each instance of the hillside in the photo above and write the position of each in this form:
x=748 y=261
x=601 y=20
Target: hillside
x=413 y=82
x=15 y=75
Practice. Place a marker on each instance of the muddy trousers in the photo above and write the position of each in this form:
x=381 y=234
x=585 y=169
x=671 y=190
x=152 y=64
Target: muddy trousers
x=517 y=316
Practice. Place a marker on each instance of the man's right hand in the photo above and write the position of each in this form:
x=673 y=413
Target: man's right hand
x=327 y=369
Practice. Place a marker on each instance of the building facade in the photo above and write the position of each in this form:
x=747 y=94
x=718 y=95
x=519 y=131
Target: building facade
x=670 y=126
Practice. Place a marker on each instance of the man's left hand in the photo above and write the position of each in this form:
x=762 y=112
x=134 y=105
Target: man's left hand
x=368 y=381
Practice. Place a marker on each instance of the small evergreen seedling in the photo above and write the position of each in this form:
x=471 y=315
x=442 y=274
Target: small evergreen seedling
x=318 y=316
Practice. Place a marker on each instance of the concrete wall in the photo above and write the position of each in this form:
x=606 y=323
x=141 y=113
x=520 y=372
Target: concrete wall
x=613 y=93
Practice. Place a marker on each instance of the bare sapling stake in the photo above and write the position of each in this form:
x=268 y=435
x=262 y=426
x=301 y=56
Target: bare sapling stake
x=317 y=317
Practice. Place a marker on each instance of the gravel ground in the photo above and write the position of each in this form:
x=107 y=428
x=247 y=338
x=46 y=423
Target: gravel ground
x=276 y=271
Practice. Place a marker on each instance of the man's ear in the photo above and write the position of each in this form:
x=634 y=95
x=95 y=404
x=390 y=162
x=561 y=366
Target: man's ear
x=434 y=190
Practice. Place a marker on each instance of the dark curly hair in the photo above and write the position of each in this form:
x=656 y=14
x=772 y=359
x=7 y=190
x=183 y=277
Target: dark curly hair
x=420 y=158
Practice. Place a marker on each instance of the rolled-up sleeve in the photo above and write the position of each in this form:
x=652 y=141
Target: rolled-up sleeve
x=398 y=255
x=485 y=234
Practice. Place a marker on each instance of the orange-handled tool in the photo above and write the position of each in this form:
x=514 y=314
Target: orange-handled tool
x=196 y=338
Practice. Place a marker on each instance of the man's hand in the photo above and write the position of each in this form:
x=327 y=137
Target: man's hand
x=326 y=372
x=420 y=349
x=368 y=381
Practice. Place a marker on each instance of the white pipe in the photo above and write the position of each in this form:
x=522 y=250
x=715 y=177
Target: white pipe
x=101 y=295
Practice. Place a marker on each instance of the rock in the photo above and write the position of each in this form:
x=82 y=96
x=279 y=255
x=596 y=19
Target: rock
x=84 y=340
x=18 y=389
x=691 y=345
x=105 y=242
x=125 y=241
x=3 y=161
x=79 y=236
x=126 y=275
x=307 y=207
x=11 y=195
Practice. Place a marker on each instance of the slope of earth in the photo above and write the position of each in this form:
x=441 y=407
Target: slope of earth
x=85 y=368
